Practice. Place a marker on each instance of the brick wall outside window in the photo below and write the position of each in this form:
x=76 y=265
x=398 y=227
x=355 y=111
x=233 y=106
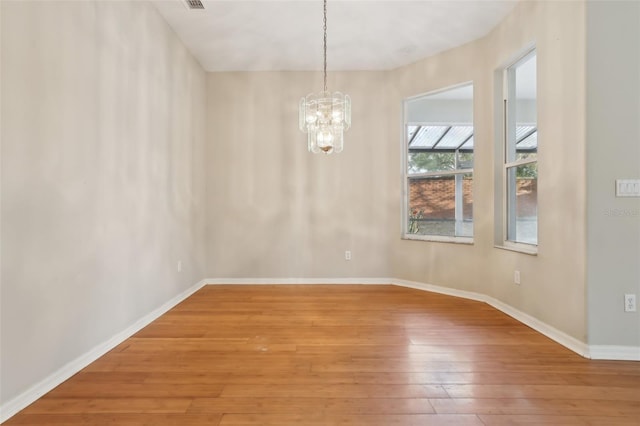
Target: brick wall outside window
x=435 y=197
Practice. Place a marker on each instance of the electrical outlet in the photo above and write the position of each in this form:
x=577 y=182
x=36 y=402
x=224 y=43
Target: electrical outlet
x=516 y=277
x=179 y=265
x=347 y=255
x=627 y=187
x=629 y=302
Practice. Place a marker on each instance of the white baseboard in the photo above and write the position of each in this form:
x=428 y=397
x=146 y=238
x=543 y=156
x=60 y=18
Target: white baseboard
x=541 y=327
x=274 y=281
x=11 y=407
x=615 y=353
x=440 y=290
x=552 y=333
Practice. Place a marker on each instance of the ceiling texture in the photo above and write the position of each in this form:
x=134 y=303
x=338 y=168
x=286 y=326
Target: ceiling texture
x=286 y=35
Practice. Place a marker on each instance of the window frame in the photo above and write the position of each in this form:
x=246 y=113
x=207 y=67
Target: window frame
x=507 y=139
x=407 y=177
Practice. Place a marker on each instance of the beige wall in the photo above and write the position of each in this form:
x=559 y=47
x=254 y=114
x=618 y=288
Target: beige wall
x=102 y=133
x=553 y=282
x=276 y=211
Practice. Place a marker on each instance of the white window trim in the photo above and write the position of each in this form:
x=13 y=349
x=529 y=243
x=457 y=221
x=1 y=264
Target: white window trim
x=506 y=244
x=404 y=223
x=519 y=247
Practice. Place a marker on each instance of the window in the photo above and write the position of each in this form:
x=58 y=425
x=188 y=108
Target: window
x=520 y=164
x=438 y=166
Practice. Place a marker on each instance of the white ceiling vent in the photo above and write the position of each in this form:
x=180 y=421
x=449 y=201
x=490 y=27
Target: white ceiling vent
x=194 y=4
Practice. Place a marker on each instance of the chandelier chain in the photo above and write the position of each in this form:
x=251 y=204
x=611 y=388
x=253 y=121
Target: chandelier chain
x=325 y=45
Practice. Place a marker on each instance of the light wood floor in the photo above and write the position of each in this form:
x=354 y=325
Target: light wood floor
x=340 y=355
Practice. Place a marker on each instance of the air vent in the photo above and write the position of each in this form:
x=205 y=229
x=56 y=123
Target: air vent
x=194 y=4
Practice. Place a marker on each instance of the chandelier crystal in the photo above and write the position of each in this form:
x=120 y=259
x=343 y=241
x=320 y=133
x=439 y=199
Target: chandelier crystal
x=325 y=116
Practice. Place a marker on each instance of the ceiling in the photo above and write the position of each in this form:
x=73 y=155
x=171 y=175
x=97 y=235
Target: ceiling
x=265 y=35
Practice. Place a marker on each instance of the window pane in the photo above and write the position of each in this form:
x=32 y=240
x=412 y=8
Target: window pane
x=522 y=189
x=455 y=137
x=522 y=108
x=468 y=145
x=430 y=161
x=465 y=160
x=438 y=144
x=465 y=228
x=432 y=206
x=426 y=136
x=529 y=142
x=411 y=131
x=527 y=156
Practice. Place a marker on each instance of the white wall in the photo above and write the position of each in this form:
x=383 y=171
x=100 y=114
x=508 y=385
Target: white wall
x=102 y=133
x=613 y=143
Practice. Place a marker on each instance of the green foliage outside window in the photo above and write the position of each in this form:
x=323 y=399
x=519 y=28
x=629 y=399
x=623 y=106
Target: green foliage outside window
x=429 y=161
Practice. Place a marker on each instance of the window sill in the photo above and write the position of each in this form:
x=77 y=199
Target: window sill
x=438 y=239
x=529 y=249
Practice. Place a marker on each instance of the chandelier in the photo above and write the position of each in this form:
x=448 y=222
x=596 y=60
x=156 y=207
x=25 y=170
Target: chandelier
x=325 y=116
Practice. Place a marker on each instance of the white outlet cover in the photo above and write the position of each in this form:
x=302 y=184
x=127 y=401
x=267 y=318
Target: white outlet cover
x=630 y=303
x=627 y=187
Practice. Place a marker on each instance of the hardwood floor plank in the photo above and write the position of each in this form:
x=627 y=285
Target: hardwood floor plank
x=53 y=405
x=350 y=420
x=448 y=378
x=305 y=405
x=107 y=378
x=335 y=390
x=111 y=419
x=529 y=420
x=581 y=407
x=339 y=355
x=605 y=393
x=209 y=346
x=76 y=389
